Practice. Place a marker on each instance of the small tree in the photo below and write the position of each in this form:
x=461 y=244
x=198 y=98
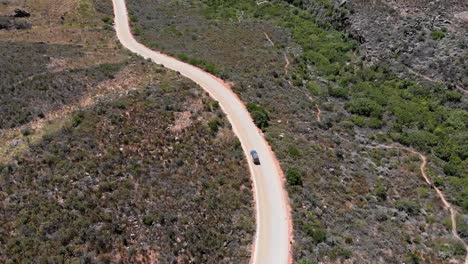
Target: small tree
x=437 y=35
x=294 y=177
x=259 y=115
x=364 y=107
x=148 y=220
x=214 y=125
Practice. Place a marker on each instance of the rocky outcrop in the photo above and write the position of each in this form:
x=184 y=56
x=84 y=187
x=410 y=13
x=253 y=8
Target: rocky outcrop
x=16 y=20
x=422 y=37
x=425 y=39
x=21 y=13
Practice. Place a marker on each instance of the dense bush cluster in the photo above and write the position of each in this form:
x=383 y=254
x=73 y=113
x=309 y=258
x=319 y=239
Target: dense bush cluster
x=209 y=67
x=428 y=118
x=259 y=115
x=114 y=186
x=293 y=176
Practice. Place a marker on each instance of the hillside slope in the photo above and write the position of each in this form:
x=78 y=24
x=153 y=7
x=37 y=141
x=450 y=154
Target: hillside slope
x=105 y=157
x=324 y=109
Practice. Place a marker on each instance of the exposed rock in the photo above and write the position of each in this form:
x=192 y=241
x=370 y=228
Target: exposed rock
x=425 y=39
x=21 y=13
x=463 y=16
x=15 y=143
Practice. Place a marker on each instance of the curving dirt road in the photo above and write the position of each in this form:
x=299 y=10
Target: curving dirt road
x=274 y=229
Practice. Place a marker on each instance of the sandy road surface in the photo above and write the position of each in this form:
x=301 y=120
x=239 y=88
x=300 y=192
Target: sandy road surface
x=274 y=229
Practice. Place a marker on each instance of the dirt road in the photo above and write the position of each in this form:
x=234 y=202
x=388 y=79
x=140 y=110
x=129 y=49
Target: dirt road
x=274 y=229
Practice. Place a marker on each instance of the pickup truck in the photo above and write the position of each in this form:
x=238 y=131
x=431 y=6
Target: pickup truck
x=255 y=158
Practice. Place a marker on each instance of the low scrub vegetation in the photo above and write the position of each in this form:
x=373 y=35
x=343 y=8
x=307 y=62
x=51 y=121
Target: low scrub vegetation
x=259 y=115
x=114 y=185
x=209 y=67
x=348 y=192
x=437 y=35
x=142 y=174
x=30 y=89
x=293 y=177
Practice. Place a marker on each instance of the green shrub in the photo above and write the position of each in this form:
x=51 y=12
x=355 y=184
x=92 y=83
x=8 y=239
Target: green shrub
x=213 y=106
x=413 y=258
x=303 y=261
x=423 y=192
x=211 y=68
x=422 y=139
x=259 y=115
x=314 y=88
x=362 y=121
x=359 y=121
x=214 y=125
x=381 y=191
x=450 y=249
x=107 y=20
x=375 y=123
x=133 y=18
x=315 y=230
x=451 y=169
x=121 y=104
x=207 y=66
x=410 y=207
x=107 y=27
x=364 y=107
x=77 y=119
x=294 y=177
x=294 y=152
x=26 y=131
x=338 y=92
x=148 y=220
x=462 y=227
x=437 y=35
x=339 y=252
x=453 y=96
x=137 y=31
x=183 y=57
x=109 y=69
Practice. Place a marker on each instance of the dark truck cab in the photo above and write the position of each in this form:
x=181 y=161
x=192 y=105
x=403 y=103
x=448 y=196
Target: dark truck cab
x=255 y=158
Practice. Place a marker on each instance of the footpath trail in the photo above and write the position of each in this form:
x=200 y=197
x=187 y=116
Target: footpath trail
x=447 y=205
x=274 y=227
